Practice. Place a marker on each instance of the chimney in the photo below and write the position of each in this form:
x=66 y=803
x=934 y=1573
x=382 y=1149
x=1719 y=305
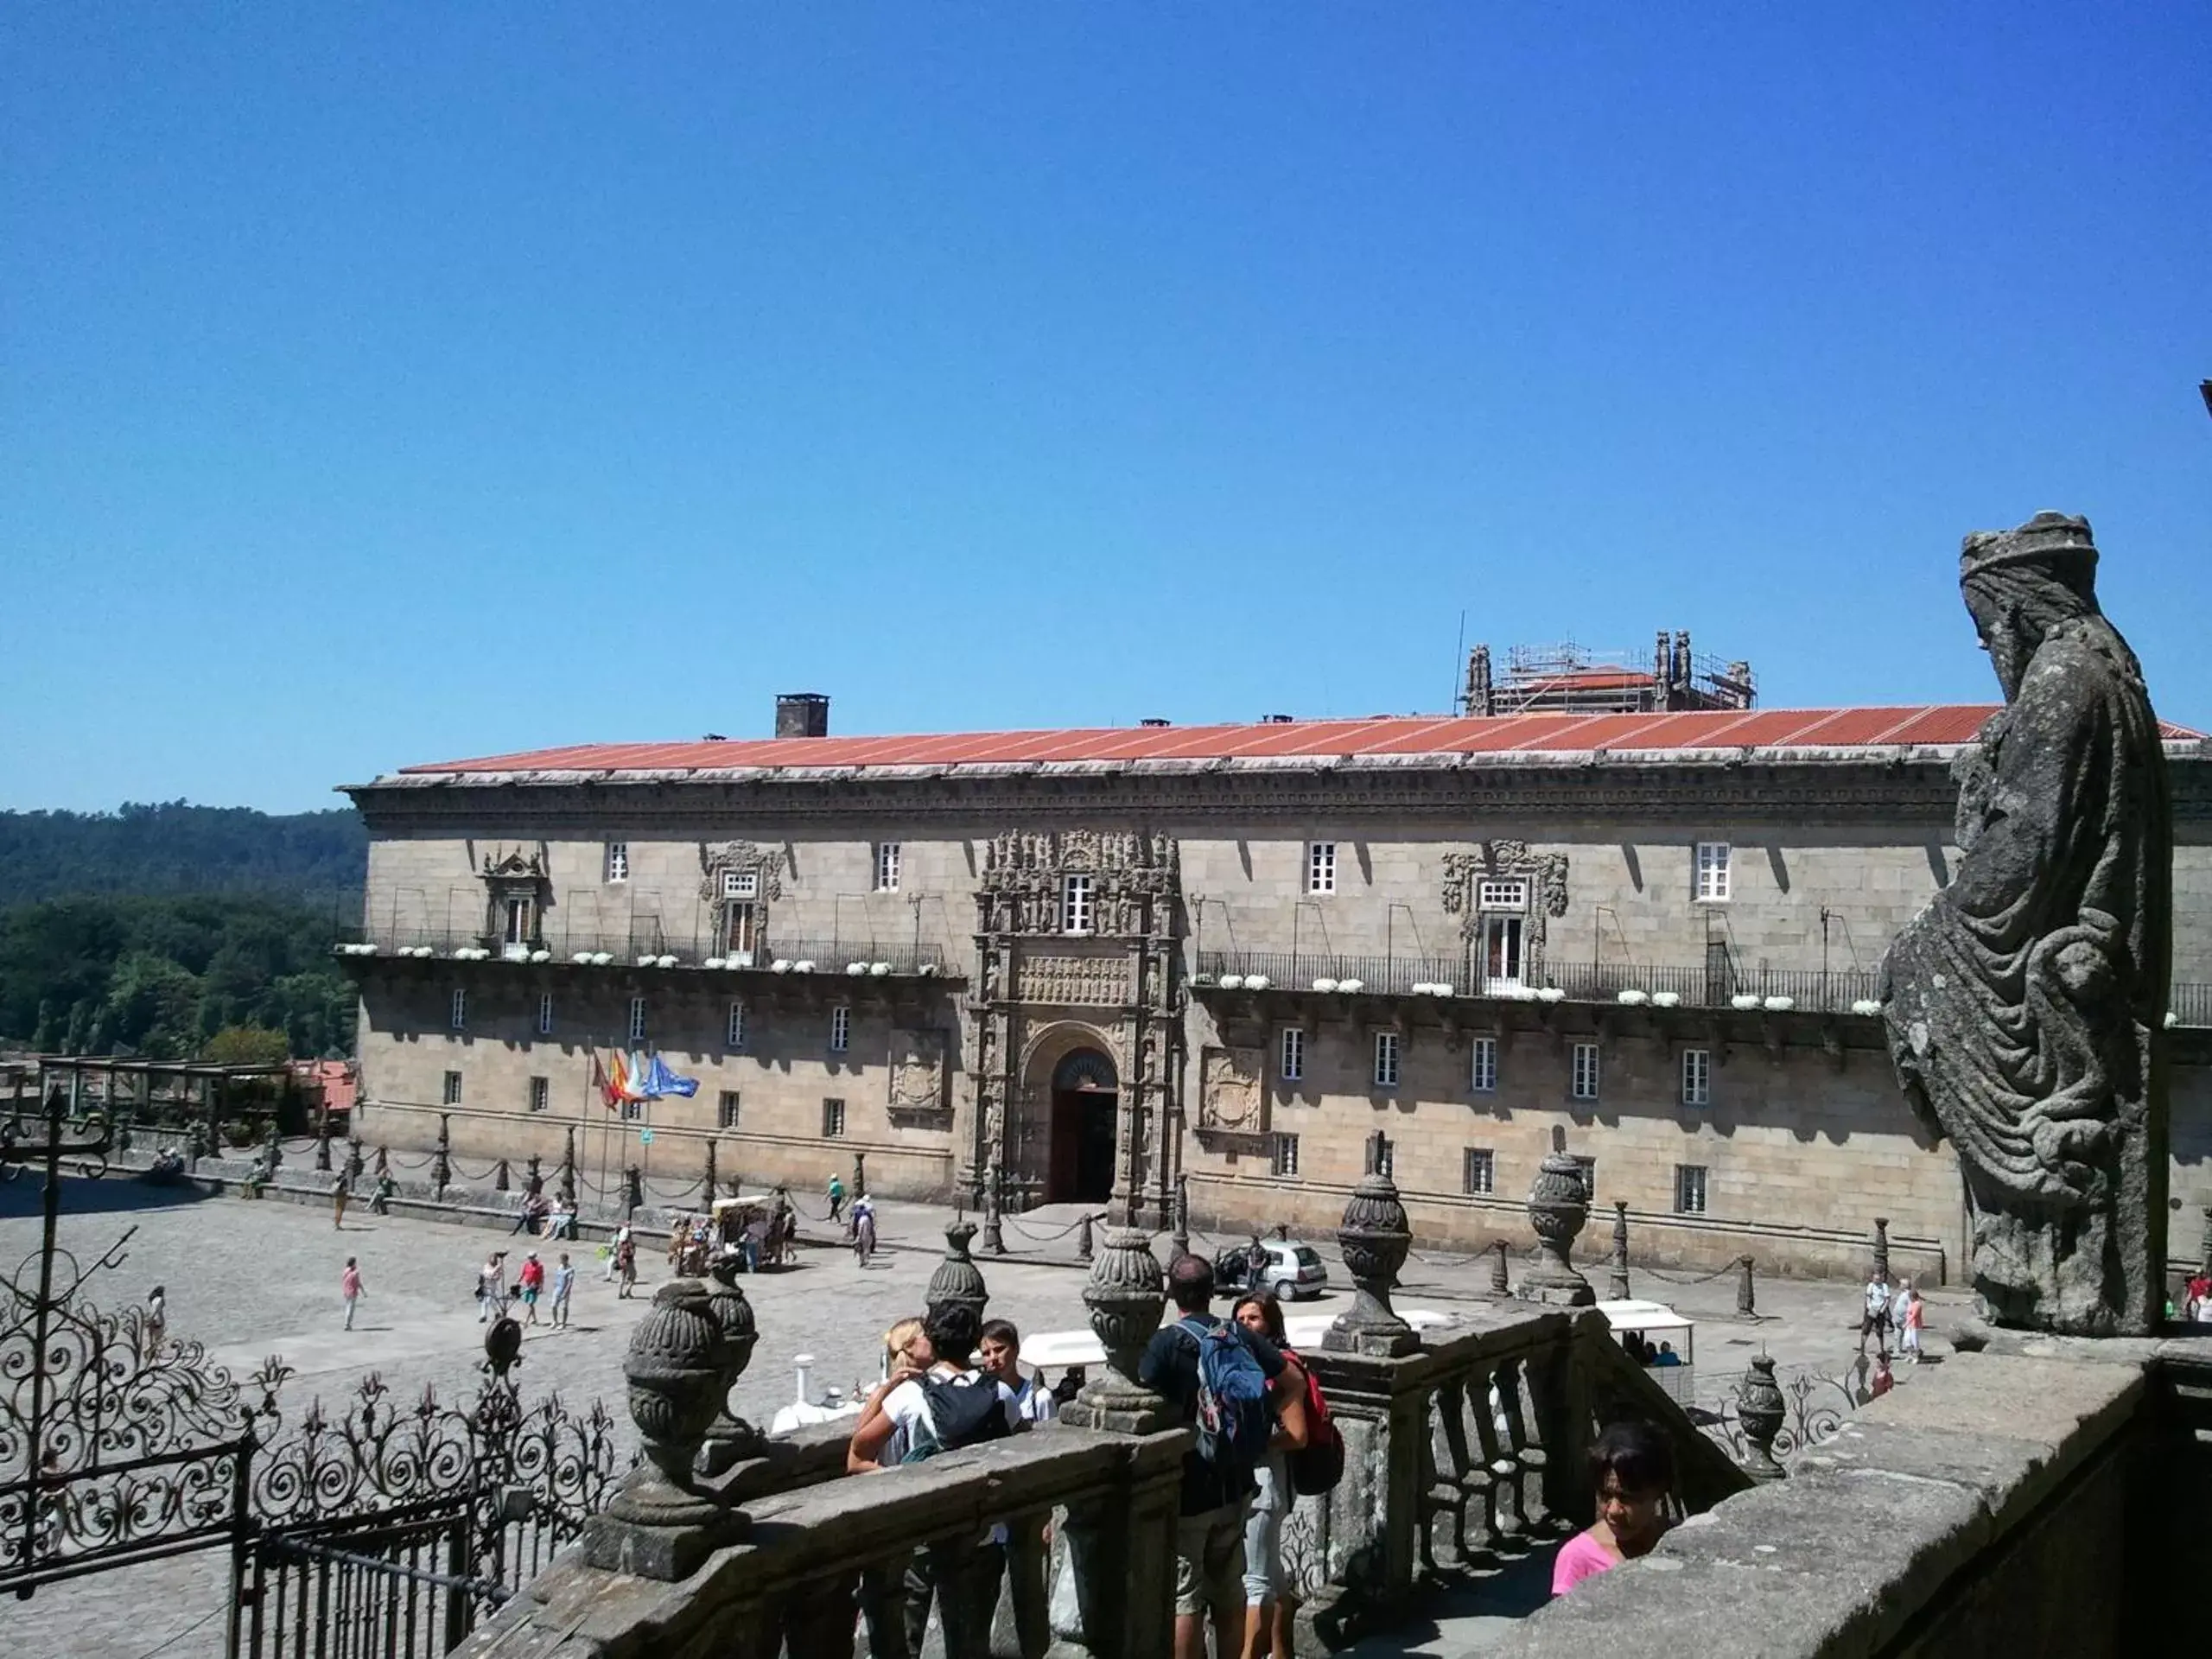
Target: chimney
x=802 y=713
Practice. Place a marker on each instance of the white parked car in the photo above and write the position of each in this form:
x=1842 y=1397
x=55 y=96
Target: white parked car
x=1292 y=1269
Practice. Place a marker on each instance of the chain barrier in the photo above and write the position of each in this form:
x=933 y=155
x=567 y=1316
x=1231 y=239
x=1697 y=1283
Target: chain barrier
x=1699 y=1278
x=1048 y=1238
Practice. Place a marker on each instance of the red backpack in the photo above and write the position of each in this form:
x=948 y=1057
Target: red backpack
x=1318 y=1464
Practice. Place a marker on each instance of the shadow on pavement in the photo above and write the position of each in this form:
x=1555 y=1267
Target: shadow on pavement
x=115 y=1194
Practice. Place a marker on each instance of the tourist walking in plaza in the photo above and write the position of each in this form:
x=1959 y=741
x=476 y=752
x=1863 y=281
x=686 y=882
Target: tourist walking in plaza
x=349 y=1288
x=564 y=1284
x=339 y=1194
x=1240 y=1370
x=836 y=1198
x=1910 y=1313
x=614 y=1252
x=1876 y=1320
x=625 y=1265
x=491 y=1288
x=1634 y=1468
x=531 y=1280
x=157 y=1319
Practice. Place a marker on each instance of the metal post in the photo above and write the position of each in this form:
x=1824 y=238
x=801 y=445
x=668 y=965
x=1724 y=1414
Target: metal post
x=1083 y=1244
x=1882 y=1247
x=633 y=1190
x=1746 y=1298
x=568 y=1188
x=440 y=1165
x=1618 y=1289
x=500 y=1176
x=860 y=1175
x=993 y=1190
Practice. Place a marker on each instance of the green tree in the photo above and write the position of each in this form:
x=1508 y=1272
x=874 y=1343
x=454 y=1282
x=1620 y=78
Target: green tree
x=247 y=1045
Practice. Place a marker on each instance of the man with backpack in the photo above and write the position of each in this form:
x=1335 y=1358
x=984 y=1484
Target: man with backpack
x=953 y=1405
x=1221 y=1376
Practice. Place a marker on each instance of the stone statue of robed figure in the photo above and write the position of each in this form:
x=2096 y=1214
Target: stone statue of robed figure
x=2025 y=1004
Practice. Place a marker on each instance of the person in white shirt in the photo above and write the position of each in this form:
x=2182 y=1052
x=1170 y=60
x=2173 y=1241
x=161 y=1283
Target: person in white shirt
x=965 y=1603
x=1026 y=1552
x=1877 y=1320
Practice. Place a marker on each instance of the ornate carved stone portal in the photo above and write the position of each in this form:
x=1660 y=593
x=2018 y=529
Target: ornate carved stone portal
x=2024 y=1004
x=1077 y=943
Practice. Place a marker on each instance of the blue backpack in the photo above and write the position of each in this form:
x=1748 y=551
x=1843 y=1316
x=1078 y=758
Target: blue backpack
x=1234 y=1421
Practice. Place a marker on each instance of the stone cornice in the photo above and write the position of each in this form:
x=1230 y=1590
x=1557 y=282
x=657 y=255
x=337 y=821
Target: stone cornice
x=1918 y=794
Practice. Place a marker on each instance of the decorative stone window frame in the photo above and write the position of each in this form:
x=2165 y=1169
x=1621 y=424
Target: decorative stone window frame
x=512 y=877
x=726 y=869
x=1290 y=1054
x=1282 y=1156
x=1386 y=1054
x=1501 y=859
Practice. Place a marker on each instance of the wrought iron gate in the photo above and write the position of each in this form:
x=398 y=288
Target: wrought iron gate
x=396 y=1585
x=378 y=1528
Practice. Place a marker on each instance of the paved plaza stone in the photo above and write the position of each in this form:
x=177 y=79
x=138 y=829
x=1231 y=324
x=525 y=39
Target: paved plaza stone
x=255 y=1279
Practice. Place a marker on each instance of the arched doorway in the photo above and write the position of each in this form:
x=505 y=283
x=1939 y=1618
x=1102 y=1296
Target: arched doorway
x=1084 y=1095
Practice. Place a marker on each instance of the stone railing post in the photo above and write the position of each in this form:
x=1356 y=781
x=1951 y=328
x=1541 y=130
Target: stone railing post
x=568 y=1187
x=1500 y=1283
x=860 y=1175
x=1747 y=1301
x=1084 y=1246
x=634 y=1191
x=1882 y=1246
x=1760 y=1409
x=1375 y=1237
x=729 y=1437
x=660 y=1525
x=533 y=1180
x=1617 y=1286
x=322 y=1139
x=440 y=1165
x=1113 y=1595
x=353 y=1165
x=958 y=1279
x=384 y=1161
x=710 y=1180
x=1558 y=1206
x=1370 y=1538
x=273 y=1152
x=500 y=1176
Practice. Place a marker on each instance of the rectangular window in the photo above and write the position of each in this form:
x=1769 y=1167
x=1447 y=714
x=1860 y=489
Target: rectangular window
x=1697 y=1076
x=545 y=1013
x=1321 y=867
x=833 y=1119
x=1689 y=1189
x=637 y=1018
x=740 y=931
x=1478 y=1172
x=617 y=860
x=452 y=1088
x=734 y=1036
x=1075 y=904
x=1482 y=1078
x=633 y=1110
x=1386 y=1059
x=1713 y=871
x=541 y=1094
x=1381 y=1155
x=518 y=923
x=1510 y=893
x=841 y=1029
x=1498 y=967
x=1584 y=1085
x=886 y=866
x=460 y=1010
x=1292 y=1063
x=741 y=883
x=1285 y=1159
x=726 y=1113
x=1589 y=1168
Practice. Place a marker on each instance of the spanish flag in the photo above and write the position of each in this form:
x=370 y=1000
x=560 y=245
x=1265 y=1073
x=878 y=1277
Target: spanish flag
x=611 y=1080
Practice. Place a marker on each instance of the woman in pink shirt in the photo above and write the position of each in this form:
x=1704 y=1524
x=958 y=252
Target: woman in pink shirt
x=1634 y=1467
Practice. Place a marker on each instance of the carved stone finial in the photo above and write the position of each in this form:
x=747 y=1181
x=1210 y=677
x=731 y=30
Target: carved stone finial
x=729 y=1437
x=958 y=1279
x=659 y=1525
x=2025 y=1006
x=1126 y=1293
x=1375 y=1237
x=1760 y=1409
x=1558 y=1206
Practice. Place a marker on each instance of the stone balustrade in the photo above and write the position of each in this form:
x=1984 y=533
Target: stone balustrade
x=1468 y=1446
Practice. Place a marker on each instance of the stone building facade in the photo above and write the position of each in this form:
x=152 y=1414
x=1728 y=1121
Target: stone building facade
x=1080 y=966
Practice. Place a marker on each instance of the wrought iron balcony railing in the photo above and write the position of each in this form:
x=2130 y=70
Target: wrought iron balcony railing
x=648 y=946
x=1813 y=990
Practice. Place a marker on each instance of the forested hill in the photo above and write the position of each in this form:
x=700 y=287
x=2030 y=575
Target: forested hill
x=148 y=850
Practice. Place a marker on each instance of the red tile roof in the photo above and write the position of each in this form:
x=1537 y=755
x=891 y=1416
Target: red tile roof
x=1402 y=736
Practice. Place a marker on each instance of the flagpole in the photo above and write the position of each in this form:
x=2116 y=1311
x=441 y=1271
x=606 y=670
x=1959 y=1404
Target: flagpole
x=606 y=1132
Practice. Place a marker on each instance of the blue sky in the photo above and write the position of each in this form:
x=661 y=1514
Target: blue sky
x=382 y=385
